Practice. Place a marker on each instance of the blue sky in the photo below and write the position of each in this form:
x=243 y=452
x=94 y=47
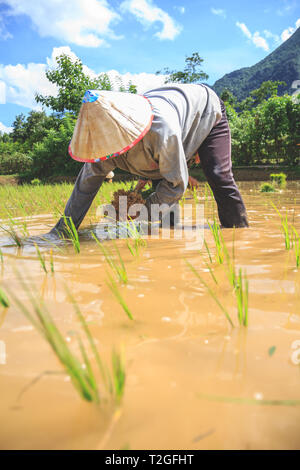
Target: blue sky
x=134 y=38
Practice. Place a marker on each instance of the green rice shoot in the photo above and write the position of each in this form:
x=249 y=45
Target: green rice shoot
x=79 y=369
x=3 y=299
x=117 y=294
x=41 y=258
x=72 y=233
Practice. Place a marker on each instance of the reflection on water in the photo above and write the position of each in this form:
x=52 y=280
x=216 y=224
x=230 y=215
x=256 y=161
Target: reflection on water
x=179 y=347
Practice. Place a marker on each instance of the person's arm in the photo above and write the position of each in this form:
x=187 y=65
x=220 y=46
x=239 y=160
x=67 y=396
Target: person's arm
x=87 y=184
x=172 y=166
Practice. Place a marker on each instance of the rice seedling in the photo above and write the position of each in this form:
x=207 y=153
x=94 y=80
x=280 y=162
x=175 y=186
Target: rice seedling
x=230 y=262
x=82 y=377
x=241 y=292
x=79 y=368
x=136 y=237
x=119 y=375
x=296 y=246
x=195 y=197
x=118 y=267
x=182 y=200
x=3 y=299
x=267 y=188
x=218 y=239
x=135 y=231
x=209 y=269
x=41 y=258
x=239 y=282
x=51 y=261
x=297 y=252
x=1 y=257
x=114 y=289
x=211 y=273
x=208 y=251
x=211 y=292
x=288 y=238
x=10 y=230
x=133 y=248
x=206 y=192
x=72 y=233
x=279 y=179
x=249 y=401
x=103 y=370
x=221 y=251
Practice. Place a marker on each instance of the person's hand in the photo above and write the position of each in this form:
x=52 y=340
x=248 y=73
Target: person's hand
x=193 y=183
x=140 y=185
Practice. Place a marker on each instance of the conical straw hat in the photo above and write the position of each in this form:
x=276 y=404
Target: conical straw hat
x=109 y=124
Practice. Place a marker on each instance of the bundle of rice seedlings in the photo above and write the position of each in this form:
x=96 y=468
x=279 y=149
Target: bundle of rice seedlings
x=133 y=197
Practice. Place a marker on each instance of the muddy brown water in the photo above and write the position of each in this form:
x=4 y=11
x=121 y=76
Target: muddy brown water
x=181 y=353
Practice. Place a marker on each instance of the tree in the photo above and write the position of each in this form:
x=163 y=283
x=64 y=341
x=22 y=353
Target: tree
x=33 y=128
x=50 y=156
x=72 y=83
x=267 y=134
x=266 y=90
x=228 y=97
x=190 y=74
x=18 y=133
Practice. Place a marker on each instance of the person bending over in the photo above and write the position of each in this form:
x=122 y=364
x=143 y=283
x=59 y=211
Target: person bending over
x=154 y=136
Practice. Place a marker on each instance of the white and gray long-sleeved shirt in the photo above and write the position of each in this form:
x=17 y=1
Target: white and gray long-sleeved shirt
x=184 y=115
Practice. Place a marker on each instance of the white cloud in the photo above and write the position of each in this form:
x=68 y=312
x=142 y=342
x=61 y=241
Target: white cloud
x=4 y=129
x=143 y=81
x=256 y=38
x=23 y=81
x=82 y=22
x=4 y=34
x=19 y=83
x=2 y=93
x=259 y=41
x=289 y=31
x=57 y=51
x=218 y=12
x=269 y=35
x=180 y=9
x=244 y=28
x=148 y=13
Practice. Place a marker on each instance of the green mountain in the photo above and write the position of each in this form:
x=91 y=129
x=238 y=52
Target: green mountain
x=282 y=64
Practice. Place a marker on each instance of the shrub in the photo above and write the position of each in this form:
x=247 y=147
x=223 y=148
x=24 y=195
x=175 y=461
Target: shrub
x=267 y=188
x=50 y=156
x=35 y=182
x=17 y=162
x=279 y=179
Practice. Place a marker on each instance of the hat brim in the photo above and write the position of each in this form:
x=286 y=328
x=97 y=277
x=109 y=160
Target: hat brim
x=139 y=102
x=116 y=154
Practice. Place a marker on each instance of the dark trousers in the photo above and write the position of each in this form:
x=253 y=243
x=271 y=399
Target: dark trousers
x=215 y=157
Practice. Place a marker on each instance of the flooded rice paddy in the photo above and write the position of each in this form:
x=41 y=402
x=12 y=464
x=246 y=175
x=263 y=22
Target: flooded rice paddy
x=192 y=380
